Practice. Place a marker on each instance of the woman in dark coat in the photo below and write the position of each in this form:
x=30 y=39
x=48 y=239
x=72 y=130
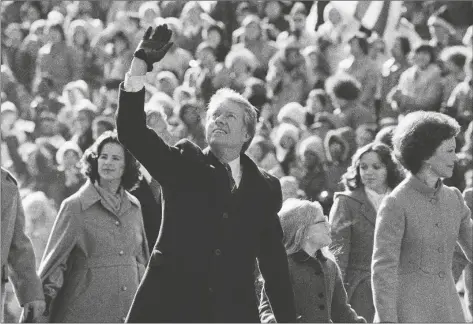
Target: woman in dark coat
x=371 y=176
x=97 y=250
x=418 y=226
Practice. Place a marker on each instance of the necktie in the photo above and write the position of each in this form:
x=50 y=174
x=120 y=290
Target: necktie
x=230 y=177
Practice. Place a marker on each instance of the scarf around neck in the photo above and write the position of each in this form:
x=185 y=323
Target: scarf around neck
x=110 y=200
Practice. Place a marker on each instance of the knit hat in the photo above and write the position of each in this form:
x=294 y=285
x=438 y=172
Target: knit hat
x=313 y=144
x=293 y=111
x=67 y=146
x=286 y=129
x=440 y=22
x=8 y=106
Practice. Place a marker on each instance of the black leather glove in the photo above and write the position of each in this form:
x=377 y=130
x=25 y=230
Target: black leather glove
x=154 y=45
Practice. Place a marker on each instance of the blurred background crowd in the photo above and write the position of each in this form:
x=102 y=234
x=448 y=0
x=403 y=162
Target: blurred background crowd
x=327 y=78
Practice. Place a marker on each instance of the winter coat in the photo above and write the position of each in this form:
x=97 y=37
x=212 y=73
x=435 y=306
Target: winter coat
x=202 y=266
x=318 y=292
x=94 y=259
x=18 y=258
x=416 y=230
x=352 y=220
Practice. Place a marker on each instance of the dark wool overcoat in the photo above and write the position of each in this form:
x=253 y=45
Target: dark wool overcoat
x=202 y=266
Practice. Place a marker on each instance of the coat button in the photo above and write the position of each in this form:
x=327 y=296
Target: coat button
x=321 y=307
x=225 y=215
x=321 y=295
x=117 y=223
x=124 y=288
x=121 y=252
x=218 y=252
x=440 y=249
x=442 y=274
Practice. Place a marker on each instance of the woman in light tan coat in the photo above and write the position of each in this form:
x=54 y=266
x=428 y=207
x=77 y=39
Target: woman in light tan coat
x=418 y=225
x=97 y=250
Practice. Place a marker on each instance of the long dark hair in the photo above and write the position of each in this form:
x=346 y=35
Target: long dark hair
x=352 y=179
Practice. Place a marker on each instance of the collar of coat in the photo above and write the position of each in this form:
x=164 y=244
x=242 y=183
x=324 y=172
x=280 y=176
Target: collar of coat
x=88 y=196
x=359 y=195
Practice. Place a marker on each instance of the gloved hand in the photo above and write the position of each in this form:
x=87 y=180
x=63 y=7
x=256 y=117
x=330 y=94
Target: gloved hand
x=154 y=45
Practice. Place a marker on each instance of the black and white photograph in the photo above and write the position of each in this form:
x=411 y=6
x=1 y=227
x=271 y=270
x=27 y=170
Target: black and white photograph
x=236 y=161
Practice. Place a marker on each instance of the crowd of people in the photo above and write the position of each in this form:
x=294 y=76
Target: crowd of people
x=354 y=127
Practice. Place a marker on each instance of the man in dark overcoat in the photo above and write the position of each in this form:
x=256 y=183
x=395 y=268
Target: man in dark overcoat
x=18 y=258
x=219 y=211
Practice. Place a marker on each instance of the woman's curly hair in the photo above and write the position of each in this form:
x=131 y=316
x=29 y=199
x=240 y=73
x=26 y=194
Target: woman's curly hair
x=131 y=174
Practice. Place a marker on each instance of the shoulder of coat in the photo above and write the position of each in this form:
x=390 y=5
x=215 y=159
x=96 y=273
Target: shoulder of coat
x=8 y=178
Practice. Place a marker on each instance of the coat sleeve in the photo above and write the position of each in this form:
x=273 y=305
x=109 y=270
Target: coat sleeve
x=165 y=163
x=388 y=234
x=63 y=238
x=273 y=264
x=21 y=259
x=465 y=234
x=341 y=221
x=341 y=310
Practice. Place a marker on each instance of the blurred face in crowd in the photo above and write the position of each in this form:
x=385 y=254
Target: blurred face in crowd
x=287 y=142
x=148 y=17
x=48 y=127
x=272 y=9
x=314 y=104
x=252 y=31
x=54 y=36
x=82 y=122
x=422 y=59
x=334 y=17
x=14 y=35
x=310 y=159
x=207 y=58
x=396 y=50
x=191 y=116
x=98 y=129
x=71 y=159
x=111 y=162
x=336 y=150
x=32 y=14
x=294 y=57
x=373 y=172
x=317 y=237
x=165 y=86
x=214 y=38
x=240 y=67
x=226 y=126
x=355 y=48
x=80 y=37
x=298 y=21
x=443 y=160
